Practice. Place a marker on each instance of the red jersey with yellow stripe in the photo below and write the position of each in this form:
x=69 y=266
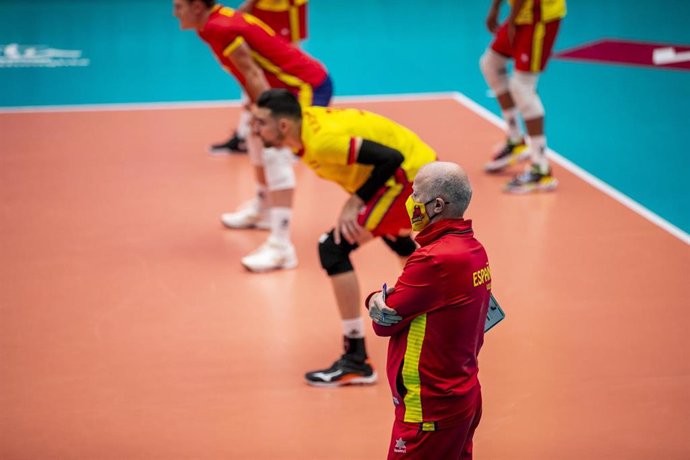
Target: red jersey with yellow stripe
x=287 y=17
x=443 y=297
x=540 y=11
x=330 y=136
x=284 y=65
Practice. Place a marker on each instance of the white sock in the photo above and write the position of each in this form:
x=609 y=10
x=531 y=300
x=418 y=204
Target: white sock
x=353 y=328
x=513 y=125
x=537 y=147
x=243 y=125
x=280 y=224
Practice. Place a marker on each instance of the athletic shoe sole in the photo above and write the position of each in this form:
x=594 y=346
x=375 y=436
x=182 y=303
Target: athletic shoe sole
x=524 y=189
x=286 y=266
x=259 y=226
x=345 y=381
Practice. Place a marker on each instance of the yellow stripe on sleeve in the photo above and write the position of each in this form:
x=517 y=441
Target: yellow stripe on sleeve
x=258 y=22
x=410 y=371
x=233 y=46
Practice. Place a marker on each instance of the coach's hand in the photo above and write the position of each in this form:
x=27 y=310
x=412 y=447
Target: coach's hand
x=380 y=313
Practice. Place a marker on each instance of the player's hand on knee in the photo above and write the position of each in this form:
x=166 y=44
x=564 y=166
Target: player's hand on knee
x=348 y=227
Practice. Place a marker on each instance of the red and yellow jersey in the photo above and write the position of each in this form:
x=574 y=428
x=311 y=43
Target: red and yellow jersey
x=284 y=65
x=540 y=11
x=330 y=139
x=287 y=17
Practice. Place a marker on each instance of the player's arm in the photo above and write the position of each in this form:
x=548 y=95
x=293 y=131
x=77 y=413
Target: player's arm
x=385 y=161
x=256 y=82
x=515 y=10
x=492 y=17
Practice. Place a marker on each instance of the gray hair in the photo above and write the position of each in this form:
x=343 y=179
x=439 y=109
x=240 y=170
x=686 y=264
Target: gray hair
x=449 y=182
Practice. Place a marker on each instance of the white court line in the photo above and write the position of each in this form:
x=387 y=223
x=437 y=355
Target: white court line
x=457 y=96
x=209 y=104
x=584 y=175
x=398 y=97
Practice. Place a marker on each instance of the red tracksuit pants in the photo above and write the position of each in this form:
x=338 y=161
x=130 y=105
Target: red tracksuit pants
x=449 y=440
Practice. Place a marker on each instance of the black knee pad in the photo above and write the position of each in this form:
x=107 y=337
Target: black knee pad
x=403 y=245
x=335 y=258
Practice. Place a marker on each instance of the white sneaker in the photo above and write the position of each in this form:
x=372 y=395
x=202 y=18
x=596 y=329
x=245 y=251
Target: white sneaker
x=249 y=215
x=271 y=256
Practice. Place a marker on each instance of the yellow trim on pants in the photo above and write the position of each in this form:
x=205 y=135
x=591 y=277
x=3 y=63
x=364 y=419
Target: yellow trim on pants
x=537 y=46
x=294 y=23
x=380 y=209
x=410 y=371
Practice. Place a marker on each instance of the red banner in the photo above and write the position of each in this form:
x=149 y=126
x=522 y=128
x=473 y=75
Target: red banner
x=664 y=56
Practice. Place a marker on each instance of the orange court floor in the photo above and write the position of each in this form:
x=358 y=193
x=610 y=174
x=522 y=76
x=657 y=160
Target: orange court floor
x=129 y=329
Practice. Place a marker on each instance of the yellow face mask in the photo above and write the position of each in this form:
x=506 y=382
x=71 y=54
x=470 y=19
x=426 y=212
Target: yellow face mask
x=417 y=212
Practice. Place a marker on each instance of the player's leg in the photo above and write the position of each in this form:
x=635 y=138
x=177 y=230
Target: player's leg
x=535 y=43
x=277 y=252
x=353 y=366
x=385 y=215
x=238 y=141
x=493 y=65
x=402 y=245
x=255 y=212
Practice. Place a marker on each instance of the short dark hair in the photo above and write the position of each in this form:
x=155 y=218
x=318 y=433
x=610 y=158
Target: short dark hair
x=280 y=102
x=207 y=3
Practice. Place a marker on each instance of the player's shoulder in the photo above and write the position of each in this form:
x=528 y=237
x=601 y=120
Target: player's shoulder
x=224 y=18
x=315 y=116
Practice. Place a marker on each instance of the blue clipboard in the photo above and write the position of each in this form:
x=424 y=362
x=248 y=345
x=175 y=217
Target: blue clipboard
x=494 y=315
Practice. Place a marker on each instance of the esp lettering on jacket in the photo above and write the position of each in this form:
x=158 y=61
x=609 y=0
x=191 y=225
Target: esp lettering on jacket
x=482 y=276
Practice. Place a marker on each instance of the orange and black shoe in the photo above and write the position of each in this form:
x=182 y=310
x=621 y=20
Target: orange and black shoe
x=345 y=371
x=532 y=180
x=511 y=153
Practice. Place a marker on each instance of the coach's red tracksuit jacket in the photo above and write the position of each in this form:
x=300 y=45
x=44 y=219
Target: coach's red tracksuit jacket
x=443 y=297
